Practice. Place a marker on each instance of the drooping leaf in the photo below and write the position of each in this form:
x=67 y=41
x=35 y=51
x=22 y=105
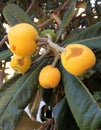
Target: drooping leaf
x=14 y=15
x=15 y=98
x=63 y=116
x=67 y=18
x=82 y=104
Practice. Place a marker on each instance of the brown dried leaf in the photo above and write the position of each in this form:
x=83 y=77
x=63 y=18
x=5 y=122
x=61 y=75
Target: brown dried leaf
x=26 y=123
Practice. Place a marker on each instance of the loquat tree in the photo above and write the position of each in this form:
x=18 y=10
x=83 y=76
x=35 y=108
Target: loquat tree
x=53 y=48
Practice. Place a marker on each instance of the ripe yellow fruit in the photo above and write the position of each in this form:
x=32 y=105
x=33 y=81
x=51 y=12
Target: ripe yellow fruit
x=20 y=64
x=49 y=77
x=77 y=59
x=21 y=39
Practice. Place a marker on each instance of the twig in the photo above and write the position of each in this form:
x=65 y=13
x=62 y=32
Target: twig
x=50 y=19
x=57 y=57
x=3 y=41
x=57 y=11
x=55 y=46
x=35 y=103
x=45 y=23
x=42 y=56
x=30 y=6
x=65 y=4
x=56 y=18
x=51 y=44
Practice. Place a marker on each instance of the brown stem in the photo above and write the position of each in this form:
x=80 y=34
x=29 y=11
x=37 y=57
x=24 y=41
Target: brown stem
x=41 y=39
x=30 y=6
x=3 y=41
x=57 y=57
x=55 y=46
x=65 y=4
x=51 y=44
x=56 y=11
x=42 y=56
x=45 y=23
x=56 y=18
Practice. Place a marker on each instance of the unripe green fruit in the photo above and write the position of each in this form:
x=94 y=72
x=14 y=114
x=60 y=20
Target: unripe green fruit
x=49 y=31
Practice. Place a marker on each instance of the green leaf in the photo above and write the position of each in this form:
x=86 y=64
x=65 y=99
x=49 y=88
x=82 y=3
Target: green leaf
x=14 y=99
x=5 y=54
x=97 y=66
x=87 y=33
x=97 y=96
x=63 y=116
x=67 y=18
x=94 y=42
x=82 y=104
x=14 y=15
x=9 y=83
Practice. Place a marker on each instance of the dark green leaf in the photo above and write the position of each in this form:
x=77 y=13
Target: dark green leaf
x=87 y=33
x=94 y=42
x=9 y=83
x=63 y=116
x=14 y=15
x=14 y=99
x=97 y=96
x=67 y=18
x=82 y=104
x=5 y=54
x=91 y=42
x=97 y=66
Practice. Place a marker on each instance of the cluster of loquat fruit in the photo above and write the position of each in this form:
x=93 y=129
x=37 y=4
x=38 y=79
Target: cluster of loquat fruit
x=76 y=58
x=22 y=44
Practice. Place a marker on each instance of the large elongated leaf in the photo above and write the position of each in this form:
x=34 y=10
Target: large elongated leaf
x=67 y=18
x=15 y=98
x=14 y=15
x=94 y=42
x=87 y=33
x=63 y=116
x=84 y=108
x=9 y=83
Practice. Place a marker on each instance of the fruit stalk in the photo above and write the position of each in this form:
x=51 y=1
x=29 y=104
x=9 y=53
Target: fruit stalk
x=51 y=44
x=55 y=46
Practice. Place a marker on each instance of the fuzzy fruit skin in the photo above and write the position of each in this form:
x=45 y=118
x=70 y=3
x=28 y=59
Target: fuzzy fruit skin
x=20 y=64
x=49 y=77
x=21 y=39
x=77 y=59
